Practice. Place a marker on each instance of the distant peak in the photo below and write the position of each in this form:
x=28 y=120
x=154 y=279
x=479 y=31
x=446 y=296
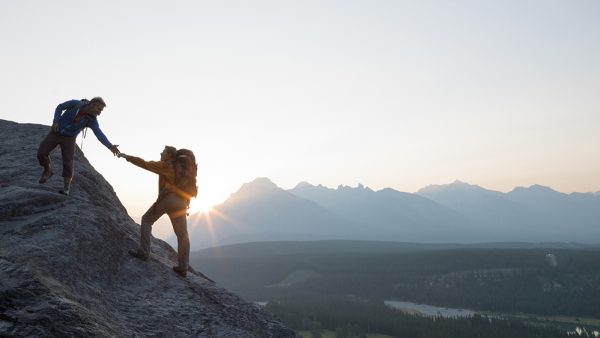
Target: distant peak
x=541 y=188
x=259 y=184
x=262 y=180
x=457 y=184
x=303 y=184
x=359 y=187
x=534 y=188
x=462 y=183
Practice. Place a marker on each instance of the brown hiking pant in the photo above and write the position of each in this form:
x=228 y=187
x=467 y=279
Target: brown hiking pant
x=67 y=148
x=175 y=207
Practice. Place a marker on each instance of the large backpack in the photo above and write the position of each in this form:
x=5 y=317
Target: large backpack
x=186 y=170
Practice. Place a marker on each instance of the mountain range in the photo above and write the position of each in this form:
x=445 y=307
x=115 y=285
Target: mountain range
x=458 y=212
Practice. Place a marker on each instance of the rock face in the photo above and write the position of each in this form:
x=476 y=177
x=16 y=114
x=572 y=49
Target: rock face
x=65 y=271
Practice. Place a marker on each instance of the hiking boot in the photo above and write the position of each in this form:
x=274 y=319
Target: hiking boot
x=66 y=186
x=137 y=254
x=45 y=175
x=180 y=271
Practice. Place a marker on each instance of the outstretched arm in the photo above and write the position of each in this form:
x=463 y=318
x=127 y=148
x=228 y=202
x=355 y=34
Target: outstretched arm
x=103 y=139
x=156 y=167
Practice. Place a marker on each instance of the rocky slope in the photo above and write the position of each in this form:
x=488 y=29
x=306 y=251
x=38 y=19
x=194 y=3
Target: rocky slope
x=65 y=271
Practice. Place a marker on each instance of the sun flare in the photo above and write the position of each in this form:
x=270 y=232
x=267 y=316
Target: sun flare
x=200 y=206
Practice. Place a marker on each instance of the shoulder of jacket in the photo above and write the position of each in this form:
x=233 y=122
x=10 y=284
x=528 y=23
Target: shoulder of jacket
x=71 y=103
x=91 y=122
x=168 y=165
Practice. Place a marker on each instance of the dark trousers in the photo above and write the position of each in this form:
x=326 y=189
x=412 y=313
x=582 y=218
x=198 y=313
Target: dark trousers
x=175 y=207
x=67 y=148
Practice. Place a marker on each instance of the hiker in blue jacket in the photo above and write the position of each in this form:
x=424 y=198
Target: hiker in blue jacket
x=70 y=118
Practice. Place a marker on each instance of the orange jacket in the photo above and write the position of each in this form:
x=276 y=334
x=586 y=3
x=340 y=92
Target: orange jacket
x=165 y=171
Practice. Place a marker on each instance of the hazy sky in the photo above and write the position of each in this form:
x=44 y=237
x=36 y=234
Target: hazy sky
x=397 y=94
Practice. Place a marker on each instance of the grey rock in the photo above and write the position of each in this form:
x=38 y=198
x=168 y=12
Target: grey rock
x=65 y=270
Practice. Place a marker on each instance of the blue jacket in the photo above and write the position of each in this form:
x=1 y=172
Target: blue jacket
x=69 y=127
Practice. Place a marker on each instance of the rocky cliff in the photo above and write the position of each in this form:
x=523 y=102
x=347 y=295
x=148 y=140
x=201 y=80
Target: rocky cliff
x=65 y=271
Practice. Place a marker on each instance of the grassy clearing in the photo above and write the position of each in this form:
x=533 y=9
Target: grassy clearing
x=298 y=276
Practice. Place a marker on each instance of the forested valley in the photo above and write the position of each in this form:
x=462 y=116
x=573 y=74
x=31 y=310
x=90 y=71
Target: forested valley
x=338 y=286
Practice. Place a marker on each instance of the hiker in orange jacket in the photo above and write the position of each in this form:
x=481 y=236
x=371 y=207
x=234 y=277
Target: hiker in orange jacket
x=170 y=201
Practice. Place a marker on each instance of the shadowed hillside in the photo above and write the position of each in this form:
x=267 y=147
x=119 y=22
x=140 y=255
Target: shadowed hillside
x=65 y=271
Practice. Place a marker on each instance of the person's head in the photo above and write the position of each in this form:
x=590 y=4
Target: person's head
x=96 y=106
x=168 y=153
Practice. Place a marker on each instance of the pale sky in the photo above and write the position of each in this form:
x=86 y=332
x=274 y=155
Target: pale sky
x=398 y=94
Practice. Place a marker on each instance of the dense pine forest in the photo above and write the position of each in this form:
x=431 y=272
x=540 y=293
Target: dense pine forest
x=356 y=318
x=337 y=284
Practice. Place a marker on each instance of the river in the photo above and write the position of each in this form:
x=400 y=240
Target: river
x=429 y=310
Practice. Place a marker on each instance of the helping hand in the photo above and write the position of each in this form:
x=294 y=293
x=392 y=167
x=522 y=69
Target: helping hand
x=123 y=155
x=115 y=150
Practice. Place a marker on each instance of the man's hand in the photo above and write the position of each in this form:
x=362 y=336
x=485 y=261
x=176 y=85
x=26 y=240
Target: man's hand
x=54 y=127
x=115 y=150
x=123 y=155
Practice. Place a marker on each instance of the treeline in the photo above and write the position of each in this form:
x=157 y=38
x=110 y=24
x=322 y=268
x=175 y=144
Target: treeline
x=504 y=280
x=355 y=318
x=492 y=279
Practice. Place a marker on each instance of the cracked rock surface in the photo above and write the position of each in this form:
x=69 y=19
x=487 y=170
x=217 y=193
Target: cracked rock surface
x=65 y=270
